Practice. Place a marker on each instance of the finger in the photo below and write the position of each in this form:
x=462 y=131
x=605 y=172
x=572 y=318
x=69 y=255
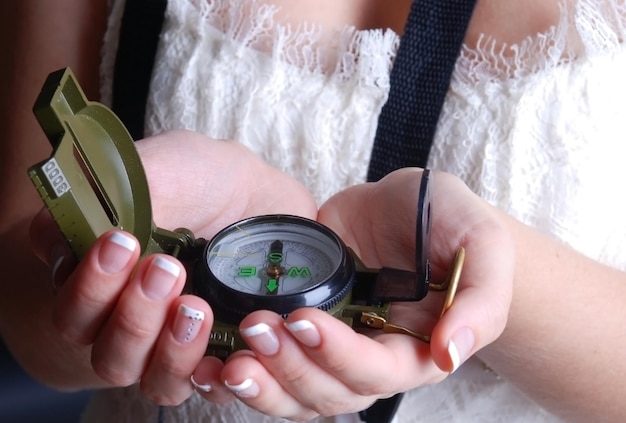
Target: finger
x=314 y=387
x=51 y=248
x=122 y=348
x=90 y=293
x=480 y=309
x=44 y=234
x=207 y=381
x=179 y=349
x=249 y=381
x=378 y=367
x=377 y=220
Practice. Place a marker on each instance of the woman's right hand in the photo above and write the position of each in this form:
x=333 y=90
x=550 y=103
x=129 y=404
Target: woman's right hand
x=129 y=309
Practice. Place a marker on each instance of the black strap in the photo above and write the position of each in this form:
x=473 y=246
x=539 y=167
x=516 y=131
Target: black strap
x=138 y=42
x=420 y=79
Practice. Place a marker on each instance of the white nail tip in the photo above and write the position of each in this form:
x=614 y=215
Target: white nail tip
x=247 y=389
x=123 y=241
x=55 y=267
x=299 y=325
x=192 y=313
x=246 y=384
x=453 y=352
x=204 y=388
x=257 y=329
x=167 y=265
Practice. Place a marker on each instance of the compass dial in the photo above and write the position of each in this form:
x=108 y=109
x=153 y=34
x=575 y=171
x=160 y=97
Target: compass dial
x=275 y=262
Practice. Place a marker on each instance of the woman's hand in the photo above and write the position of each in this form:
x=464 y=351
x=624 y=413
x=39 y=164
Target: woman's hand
x=129 y=309
x=314 y=364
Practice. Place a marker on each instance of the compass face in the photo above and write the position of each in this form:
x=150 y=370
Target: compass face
x=273 y=262
x=274 y=257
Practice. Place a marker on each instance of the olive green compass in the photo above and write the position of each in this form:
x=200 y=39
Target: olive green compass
x=94 y=181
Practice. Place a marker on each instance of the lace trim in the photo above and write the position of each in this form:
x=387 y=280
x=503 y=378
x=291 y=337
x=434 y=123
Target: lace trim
x=308 y=46
x=585 y=28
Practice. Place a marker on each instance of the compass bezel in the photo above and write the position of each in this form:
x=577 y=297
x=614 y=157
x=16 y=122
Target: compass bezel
x=231 y=305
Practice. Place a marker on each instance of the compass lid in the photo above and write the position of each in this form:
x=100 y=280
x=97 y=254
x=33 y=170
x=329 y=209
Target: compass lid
x=94 y=180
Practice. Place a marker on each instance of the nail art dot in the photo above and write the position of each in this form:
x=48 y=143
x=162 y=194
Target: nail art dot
x=194 y=317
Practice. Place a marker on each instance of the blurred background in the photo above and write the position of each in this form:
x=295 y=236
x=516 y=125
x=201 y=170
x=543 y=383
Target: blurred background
x=23 y=400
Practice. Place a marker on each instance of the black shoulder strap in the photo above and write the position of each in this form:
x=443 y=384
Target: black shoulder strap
x=138 y=42
x=420 y=79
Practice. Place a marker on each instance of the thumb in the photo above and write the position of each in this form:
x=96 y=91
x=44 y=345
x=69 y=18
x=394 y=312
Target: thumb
x=479 y=312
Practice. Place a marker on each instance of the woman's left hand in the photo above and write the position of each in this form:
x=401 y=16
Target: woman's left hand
x=313 y=364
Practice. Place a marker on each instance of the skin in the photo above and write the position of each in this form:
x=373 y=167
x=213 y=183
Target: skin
x=515 y=274
x=37 y=38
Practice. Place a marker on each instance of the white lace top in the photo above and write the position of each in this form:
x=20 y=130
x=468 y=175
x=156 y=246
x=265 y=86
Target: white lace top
x=540 y=134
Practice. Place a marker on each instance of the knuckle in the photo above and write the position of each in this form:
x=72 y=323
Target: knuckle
x=135 y=325
x=89 y=292
x=174 y=366
x=335 y=406
x=374 y=389
x=170 y=399
x=336 y=364
x=68 y=331
x=304 y=417
x=112 y=374
x=293 y=375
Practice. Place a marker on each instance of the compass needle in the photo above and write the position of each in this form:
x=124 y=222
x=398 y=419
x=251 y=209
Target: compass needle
x=274 y=269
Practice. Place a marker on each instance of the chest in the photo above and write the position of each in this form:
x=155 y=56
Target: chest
x=505 y=21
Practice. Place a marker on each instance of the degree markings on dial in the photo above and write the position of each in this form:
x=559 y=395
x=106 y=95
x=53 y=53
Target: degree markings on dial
x=240 y=229
x=232 y=255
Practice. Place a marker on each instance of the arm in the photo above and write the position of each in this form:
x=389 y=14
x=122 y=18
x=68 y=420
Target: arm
x=38 y=37
x=565 y=338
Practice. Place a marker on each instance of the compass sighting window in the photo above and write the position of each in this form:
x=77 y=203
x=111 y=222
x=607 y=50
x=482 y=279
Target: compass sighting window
x=95 y=186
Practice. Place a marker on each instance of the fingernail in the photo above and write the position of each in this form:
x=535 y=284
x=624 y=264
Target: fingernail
x=204 y=387
x=60 y=262
x=459 y=347
x=57 y=257
x=305 y=332
x=116 y=253
x=247 y=389
x=187 y=324
x=261 y=338
x=160 y=278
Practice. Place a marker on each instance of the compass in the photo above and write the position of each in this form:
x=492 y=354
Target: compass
x=94 y=182
x=273 y=262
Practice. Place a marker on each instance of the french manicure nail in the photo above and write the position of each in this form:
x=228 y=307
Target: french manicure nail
x=160 y=278
x=60 y=264
x=261 y=338
x=204 y=387
x=187 y=324
x=247 y=389
x=459 y=347
x=57 y=257
x=305 y=332
x=116 y=252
